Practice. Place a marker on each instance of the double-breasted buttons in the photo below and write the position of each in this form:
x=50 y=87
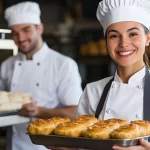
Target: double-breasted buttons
x=137 y=116
x=20 y=64
x=108 y=111
x=114 y=85
x=38 y=64
x=140 y=86
x=37 y=84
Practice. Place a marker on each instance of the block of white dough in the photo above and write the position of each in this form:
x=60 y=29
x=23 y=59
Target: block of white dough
x=10 y=106
x=4 y=97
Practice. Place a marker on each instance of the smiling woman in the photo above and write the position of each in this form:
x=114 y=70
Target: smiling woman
x=126 y=43
x=125 y=96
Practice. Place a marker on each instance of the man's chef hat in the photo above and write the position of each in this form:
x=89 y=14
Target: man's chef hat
x=112 y=11
x=24 y=12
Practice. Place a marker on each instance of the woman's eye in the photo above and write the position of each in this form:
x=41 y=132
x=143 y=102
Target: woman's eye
x=114 y=36
x=132 y=34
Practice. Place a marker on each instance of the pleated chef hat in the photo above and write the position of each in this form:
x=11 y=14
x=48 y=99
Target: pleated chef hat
x=112 y=11
x=24 y=12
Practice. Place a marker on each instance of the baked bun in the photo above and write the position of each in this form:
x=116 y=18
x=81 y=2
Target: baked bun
x=145 y=125
x=75 y=127
x=45 y=127
x=41 y=126
x=71 y=129
x=86 y=120
x=97 y=132
x=128 y=131
x=112 y=125
x=90 y=127
x=115 y=120
x=58 y=120
x=100 y=130
x=85 y=117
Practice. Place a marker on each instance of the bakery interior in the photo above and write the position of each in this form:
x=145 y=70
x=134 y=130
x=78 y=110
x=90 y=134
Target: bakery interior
x=72 y=29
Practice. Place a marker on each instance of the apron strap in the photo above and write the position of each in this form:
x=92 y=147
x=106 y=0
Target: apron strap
x=103 y=97
x=146 y=105
x=146 y=98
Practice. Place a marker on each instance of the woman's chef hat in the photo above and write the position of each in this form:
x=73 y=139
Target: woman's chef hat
x=24 y=12
x=112 y=11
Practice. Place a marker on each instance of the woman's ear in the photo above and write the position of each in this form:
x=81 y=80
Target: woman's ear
x=148 y=39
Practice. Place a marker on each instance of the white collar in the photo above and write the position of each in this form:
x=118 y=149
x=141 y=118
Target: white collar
x=39 y=55
x=137 y=77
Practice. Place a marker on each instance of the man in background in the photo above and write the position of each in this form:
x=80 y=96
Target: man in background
x=51 y=78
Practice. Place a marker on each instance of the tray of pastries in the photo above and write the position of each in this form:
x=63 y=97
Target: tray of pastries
x=87 y=132
x=11 y=102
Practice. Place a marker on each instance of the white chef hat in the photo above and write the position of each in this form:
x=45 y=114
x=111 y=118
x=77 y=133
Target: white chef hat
x=112 y=11
x=24 y=12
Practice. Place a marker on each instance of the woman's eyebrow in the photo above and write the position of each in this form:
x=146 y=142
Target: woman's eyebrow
x=113 y=31
x=134 y=28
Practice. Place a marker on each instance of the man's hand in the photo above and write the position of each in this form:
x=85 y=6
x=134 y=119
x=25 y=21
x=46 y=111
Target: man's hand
x=29 y=110
x=144 y=145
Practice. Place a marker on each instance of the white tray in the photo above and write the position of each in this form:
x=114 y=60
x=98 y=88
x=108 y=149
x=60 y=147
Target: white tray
x=12 y=120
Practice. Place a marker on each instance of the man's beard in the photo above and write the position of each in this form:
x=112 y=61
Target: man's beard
x=32 y=47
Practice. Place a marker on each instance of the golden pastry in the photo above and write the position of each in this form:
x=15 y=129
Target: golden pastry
x=45 y=127
x=71 y=129
x=112 y=125
x=145 y=125
x=86 y=120
x=75 y=127
x=119 y=121
x=100 y=130
x=97 y=132
x=41 y=126
x=128 y=131
x=58 y=120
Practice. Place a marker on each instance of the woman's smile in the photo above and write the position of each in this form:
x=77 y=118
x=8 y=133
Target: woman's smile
x=125 y=53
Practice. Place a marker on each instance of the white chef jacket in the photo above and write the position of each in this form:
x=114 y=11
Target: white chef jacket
x=124 y=101
x=52 y=79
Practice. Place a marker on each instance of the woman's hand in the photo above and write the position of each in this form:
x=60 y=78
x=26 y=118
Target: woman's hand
x=144 y=145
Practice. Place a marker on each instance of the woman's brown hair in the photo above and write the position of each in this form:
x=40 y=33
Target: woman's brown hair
x=145 y=56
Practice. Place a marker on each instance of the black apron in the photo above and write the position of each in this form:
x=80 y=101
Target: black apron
x=146 y=102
